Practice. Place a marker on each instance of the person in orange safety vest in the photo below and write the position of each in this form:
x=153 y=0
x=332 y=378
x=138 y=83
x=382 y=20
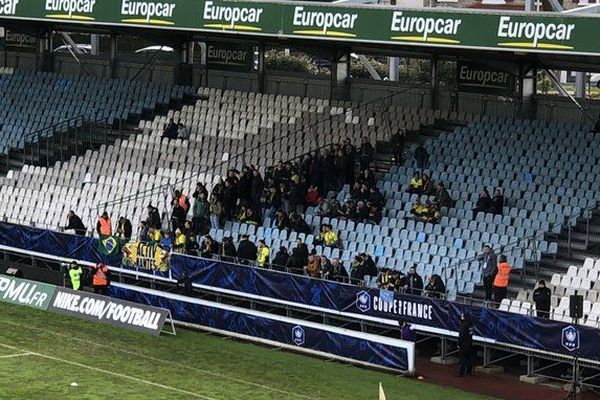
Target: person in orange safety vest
x=100 y=279
x=501 y=279
x=104 y=225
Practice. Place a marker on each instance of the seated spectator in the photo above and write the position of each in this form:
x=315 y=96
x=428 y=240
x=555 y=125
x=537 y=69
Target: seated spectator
x=397 y=280
x=369 y=263
x=312 y=197
x=483 y=203
x=182 y=132
x=427 y=187
x=416 y=184
x=326 y=268
x=375 y=215
x=248 y=217
x=433 y=214
x=179 y=242
x=442 y=196
x=328 y=237
x=170 y=131
x=375 y=197
x=347 y=211
x=361 y=212
x=313 y=267
x=367 y=178
x=435 y=287
x=282 y=257
x=383 y=280
x=192 y=247
x=282 y=222
x=246 y=251
x=264 y=252
x=357 y=193
x=188 y=229
x=497 y=203
x=228 y=251
x=339 y=273
x=419 y=210
x=298 y=224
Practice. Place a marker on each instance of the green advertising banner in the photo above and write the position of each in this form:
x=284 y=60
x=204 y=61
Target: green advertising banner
x=504 y=31
x=232 y=56
x=477 y=78
x=26 y=293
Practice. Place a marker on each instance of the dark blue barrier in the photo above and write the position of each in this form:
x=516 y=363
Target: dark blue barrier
x=494 y=325
x=276 y=329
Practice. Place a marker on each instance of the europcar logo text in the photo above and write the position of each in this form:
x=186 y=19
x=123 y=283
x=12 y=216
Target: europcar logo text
x=530 y=35
x=147 y=12
x=321 y=23
x=70 y=9
x=8 y=7
x=231 y=17
x=425 y=29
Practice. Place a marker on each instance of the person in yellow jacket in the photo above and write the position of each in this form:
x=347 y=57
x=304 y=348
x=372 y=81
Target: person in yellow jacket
x=154 y=235
x=263 y=254
x=419 y=210
x=180 y=242
x=416 y=184
x=329 y=237
x=501 y=279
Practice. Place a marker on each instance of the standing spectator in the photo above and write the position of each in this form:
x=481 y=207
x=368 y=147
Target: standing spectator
x=489 y=269
x=229 y=200
x=258 y=186
x=200 y=188
x=177 y=216
x=483 y=203
x=428 y=188
x=349 y=162
x=313 y=198
x=435 y=287
x=298 y=224
x=326 y=268
x=124 y=229
x=179 y=242
x=245 y=187
x=192 y=246
x=263 y=253
x=215 y=209
x=465 y=346
x=398 y=146
x=182 y=200
x=541 y=298
x=104 y=225
x=414 y=282
x=143 y=232
x=153 y=219
x=200 y=213
x=384 y=280
x=247 y=251
x=313 y=267
x=406 y=333
x=228 y=251
x=339 y=273
x=75 y=223
x=209 y=247
x=421 y=157
x=296 y=262
x=497 y=203
x=366 y=153
x=501 y=279
x=282 y=257
x=442 y=196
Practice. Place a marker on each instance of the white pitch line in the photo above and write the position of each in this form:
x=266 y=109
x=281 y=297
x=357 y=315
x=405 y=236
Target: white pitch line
x=163 y=361
x=16 y=355
x=132 y=378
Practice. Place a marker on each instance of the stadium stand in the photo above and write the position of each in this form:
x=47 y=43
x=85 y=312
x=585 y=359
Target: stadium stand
x=32 y=101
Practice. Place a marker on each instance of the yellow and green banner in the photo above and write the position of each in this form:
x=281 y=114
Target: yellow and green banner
x=504 y=31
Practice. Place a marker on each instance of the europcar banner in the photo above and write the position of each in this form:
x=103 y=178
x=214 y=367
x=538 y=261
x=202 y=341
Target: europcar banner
x=25 y=293
x=478 y=78
x=500 y=31
x=119 y=313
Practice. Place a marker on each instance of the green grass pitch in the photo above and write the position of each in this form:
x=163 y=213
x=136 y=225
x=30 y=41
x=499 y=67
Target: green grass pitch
x=51 y=357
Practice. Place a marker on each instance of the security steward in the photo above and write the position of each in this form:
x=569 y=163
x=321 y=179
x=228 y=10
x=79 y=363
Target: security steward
x=465 y=346
x=75 y=273
x=100 y=279
x=104 y=225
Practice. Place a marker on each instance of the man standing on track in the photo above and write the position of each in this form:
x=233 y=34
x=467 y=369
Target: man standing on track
x=465 y=346
x=100 y=279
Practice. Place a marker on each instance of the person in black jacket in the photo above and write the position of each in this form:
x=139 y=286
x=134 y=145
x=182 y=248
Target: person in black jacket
x=497 y=203
x=483 y=203
x=366 y=152
x=414 y=282
x=435 y=287
x=302 y=251
x=339 y=273
x=397 y=144
x=228 y=251
x=298 y=224
x=246 y=250
x=124 y=229
x=170 y=131
x=296 y=262
x=75 y=223
x=153 y=217
x=281 y=258
x=421 y=156
x=541 y=298
x=465 y=346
